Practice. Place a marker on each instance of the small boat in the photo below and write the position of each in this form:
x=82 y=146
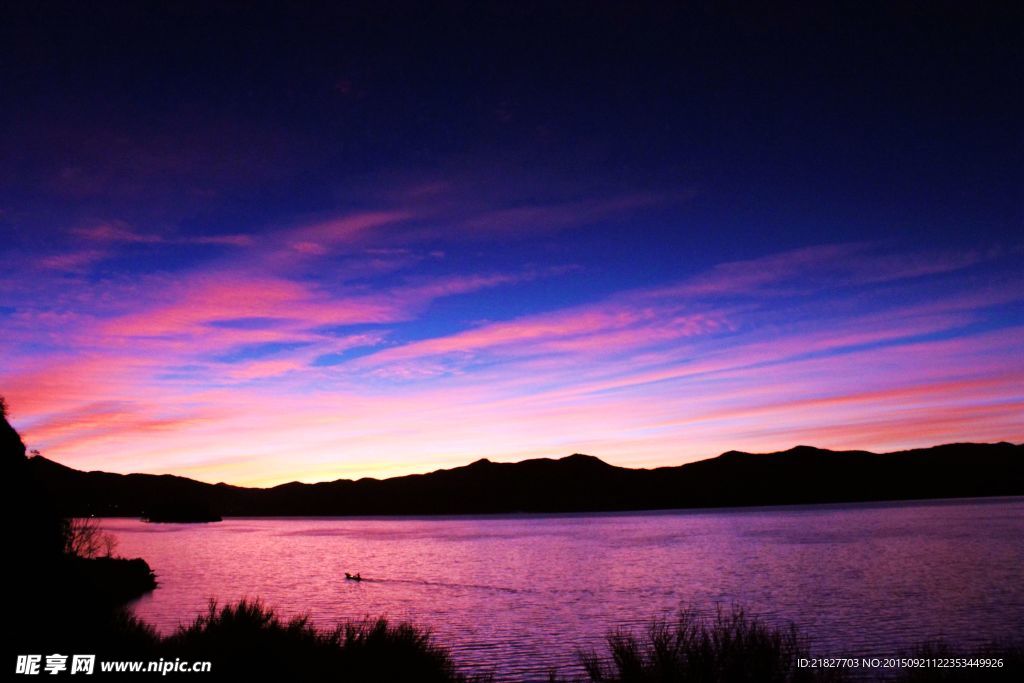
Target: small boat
x=353 y=577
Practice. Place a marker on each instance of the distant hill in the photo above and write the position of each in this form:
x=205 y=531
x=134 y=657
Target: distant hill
x=576 y=483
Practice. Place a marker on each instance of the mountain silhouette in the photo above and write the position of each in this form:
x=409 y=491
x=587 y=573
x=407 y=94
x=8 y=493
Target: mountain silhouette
x=577 y=483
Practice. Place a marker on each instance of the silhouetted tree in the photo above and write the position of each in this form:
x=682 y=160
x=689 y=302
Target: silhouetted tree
x=84 y=537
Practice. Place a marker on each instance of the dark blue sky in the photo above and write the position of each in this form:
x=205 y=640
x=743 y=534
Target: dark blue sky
x=773 y=124
x=447 y=167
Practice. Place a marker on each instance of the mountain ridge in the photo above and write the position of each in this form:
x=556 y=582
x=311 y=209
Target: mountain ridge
x=575 y=483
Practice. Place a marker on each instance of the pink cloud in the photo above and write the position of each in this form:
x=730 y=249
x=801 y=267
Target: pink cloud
x=648 y=377
x=662 y=315
x=817 y=267
x=115 y=232
x=100 y=420
x=208 y=298
x=75 y=261
x=318 y=238
x=120 y=232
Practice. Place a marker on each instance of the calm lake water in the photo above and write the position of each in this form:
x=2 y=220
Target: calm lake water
x=517 y=594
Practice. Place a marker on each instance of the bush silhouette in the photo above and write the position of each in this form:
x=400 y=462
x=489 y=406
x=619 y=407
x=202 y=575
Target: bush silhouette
x=248 y=638
x=729 y=647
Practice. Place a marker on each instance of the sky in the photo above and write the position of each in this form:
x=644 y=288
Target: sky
x=265 y=242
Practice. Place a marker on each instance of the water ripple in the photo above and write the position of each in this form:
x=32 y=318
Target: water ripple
x=520 y=595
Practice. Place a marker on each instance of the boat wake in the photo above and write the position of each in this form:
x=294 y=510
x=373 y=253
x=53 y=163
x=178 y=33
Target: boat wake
x=446 y=584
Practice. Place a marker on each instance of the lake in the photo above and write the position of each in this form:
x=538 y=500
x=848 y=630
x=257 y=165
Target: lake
x=516 y=594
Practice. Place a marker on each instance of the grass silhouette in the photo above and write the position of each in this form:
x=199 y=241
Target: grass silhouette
x=730 y=646
x=248 y=639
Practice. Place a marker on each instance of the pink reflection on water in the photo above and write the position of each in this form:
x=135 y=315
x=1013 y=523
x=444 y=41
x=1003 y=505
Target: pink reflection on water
x=517 y=595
